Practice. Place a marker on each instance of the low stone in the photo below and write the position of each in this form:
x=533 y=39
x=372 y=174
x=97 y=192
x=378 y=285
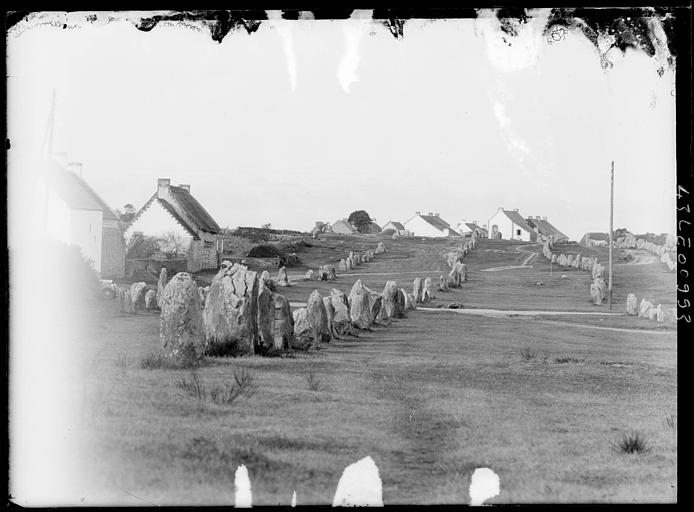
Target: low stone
x=632 y=305
x=381 y=248
x=309 y=275
x=443 y=284
x=417 y=289
x=151 y=299
x=137 y=295
x=282 y=278
x=595 y=294
x=427 y=294
x=644 y=307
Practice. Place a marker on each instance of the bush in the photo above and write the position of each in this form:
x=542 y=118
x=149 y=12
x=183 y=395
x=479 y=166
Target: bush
x=228 y=393
x=632 y=443
x=186 y=359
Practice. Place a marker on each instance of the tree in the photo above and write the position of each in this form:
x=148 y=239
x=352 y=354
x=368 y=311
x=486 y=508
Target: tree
x=172 y=245
x=127 y=214
x=360 y=220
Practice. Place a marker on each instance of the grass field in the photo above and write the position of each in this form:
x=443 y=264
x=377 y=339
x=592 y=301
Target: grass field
x=540 y=400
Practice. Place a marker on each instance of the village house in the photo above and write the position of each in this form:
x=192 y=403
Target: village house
x=172 y=210
x=546 y=230
x=510 y=225
x=343 y=227
x=466 y=228
x=70 y=211
x=396 y=227
x=595 y=239
x=431 y=225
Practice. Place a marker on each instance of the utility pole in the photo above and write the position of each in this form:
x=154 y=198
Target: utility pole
x=609 y=283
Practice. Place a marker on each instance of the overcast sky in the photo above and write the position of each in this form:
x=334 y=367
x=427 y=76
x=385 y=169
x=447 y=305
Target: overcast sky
x=310 y=120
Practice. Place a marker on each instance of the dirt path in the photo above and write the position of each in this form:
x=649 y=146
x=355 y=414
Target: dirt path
x=501 y=313
x=640 y=257
x=526 y=262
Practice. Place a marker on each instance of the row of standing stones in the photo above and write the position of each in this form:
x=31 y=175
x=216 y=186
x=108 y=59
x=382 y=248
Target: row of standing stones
x=598 y=288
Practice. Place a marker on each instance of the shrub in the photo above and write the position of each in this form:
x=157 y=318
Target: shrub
x=186 y=359
x=632 y=443
x=314 y=384
x=528 y=354
x=228 y=393
x=565 y=360
x=194 y=387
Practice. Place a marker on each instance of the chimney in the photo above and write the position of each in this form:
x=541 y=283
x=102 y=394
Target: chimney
x=515 y=209
x=163 y=187
x=436 y=214
x=431 y=213
x=417 y=213
x=185 y=187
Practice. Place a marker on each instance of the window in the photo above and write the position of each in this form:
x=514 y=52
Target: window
x=518 y=232
x=208 y=244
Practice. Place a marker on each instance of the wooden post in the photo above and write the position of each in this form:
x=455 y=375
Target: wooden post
x=609 y=283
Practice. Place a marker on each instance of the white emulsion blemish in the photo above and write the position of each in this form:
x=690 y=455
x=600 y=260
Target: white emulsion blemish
x=359 y=486
x=353 y=29
x=484 y=485
x=284 y=29
x=242 y=488
x=294 y=499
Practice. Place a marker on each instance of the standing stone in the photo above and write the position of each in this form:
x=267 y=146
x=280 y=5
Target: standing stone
x=595 y=294
x=400 y=304
x=409 y=301
x=577 y=261
x=443 y=284
x=381 y=248
x=151 y=299
x=303 y=335
x=125 y=301
x=351 y=255
x=417 y=289
x=644 y=307
x=554 y=258
x=342 y=322
x=201 y=293
x=231 y=312
x=182 y=326
x=309 y=275
x=359 y=306
x=160 y=286
x=275 y=322
x=322 y=273
x=348 y=264
x=342 y=266
x=653 y=313
x=390 y=305
x=137 y=295
x=427 y=294
x=330 y=313
x=660 y=314
x=318 y=317
x=631 y=305
x=282 y=279
x=570 y=261
x=265 y=279
x=602 y=287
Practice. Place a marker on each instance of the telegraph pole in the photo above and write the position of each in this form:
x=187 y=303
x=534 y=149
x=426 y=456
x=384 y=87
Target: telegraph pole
x=609 y=283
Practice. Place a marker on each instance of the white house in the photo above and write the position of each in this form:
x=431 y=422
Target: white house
x=467 y=228
x=172 y=209
x=510 y=225
x=431 y=225
x=70 y=211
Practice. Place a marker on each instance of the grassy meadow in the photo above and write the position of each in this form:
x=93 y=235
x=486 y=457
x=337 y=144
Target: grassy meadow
x=543 y=401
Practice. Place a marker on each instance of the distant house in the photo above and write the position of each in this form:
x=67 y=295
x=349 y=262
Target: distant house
x=510 y=225
x=544 y=228
x=431 y=225
x=372 y=227
x=393 y=226
x=466 y=228
x=75 y=214
x=172 y=209
x=595 y=239
x=343 y=227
